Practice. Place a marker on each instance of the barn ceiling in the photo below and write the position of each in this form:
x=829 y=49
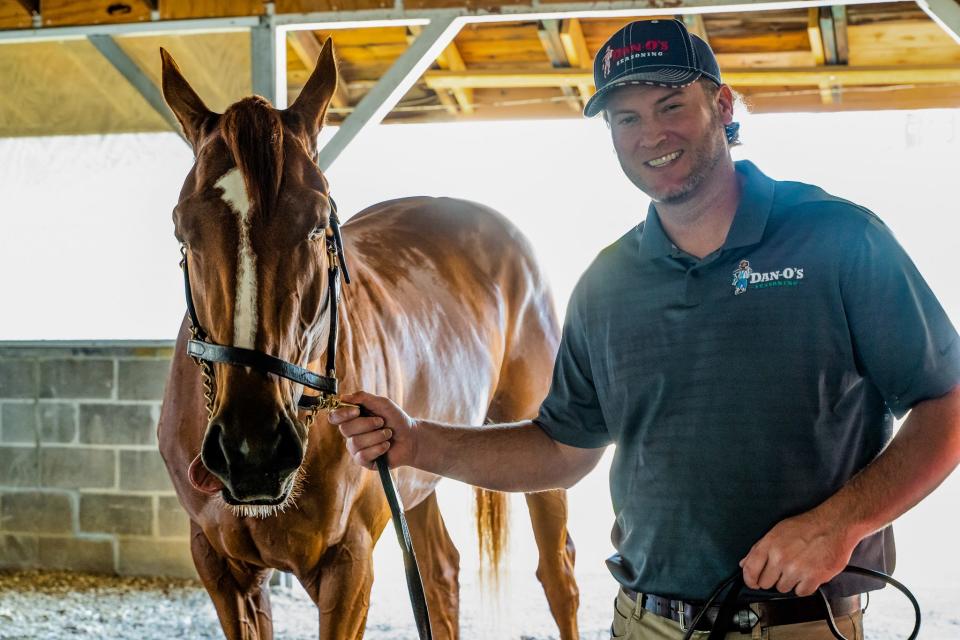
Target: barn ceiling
x=59 y=77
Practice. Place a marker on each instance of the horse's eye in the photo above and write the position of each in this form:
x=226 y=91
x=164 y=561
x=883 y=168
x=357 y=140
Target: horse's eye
x=317 y=233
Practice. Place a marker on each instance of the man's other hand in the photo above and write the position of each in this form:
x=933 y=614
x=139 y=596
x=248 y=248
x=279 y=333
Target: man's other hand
x=799 y=554
x=389 y=429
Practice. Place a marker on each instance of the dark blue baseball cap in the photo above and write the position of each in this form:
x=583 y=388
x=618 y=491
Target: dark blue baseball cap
x=650 y=52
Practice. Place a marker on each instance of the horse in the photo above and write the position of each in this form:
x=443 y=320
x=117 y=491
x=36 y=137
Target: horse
x=448 y=313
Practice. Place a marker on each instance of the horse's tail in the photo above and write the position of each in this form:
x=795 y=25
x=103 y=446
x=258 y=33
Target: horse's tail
x=492 y=530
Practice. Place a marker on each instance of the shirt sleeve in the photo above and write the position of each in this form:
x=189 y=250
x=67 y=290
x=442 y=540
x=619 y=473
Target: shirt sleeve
x=571 y=412
x=902 y=337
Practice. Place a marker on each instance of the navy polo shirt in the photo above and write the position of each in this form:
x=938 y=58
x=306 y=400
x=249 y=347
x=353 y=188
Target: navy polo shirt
x=747 y=386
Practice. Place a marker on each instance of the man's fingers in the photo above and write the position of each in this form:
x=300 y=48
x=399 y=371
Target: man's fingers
x=366 y=457
x=342 y=414
x=770 y=575
x=358 y=426
x=363 y=441
x=753 y=565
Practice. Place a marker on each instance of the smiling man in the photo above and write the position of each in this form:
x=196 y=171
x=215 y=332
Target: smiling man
x=746 y=348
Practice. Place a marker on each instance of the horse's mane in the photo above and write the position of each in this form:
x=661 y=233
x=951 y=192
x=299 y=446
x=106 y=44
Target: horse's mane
x=254 y=133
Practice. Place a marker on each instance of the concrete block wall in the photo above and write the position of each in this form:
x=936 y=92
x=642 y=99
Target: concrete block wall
x=82 y=485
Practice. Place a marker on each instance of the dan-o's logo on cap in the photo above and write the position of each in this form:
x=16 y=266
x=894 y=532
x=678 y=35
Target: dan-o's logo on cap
x=607 y=60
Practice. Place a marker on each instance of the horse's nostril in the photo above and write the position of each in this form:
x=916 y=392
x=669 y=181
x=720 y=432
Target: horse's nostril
x=289 y=452
x=211 y=453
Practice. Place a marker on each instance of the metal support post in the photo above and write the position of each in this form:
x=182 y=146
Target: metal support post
x=268 y=60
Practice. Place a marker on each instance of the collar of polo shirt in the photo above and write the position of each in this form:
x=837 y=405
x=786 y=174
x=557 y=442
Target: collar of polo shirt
x=749 y=222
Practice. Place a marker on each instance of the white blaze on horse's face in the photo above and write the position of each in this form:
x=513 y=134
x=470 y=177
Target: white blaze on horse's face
x=245 y=307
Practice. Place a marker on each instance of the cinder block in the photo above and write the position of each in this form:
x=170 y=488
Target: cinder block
x=142 y=379
x=18 y=551
x=113 y=513
x=57 y=422
x=18 y=467
x=77 y=467
x=172 y=519
x=143 y=471
x=36 y=512
x=80 y=378
x=18 y=378
x=19 y=422
x=77 y=554
x=117 y=424
x=155 y=558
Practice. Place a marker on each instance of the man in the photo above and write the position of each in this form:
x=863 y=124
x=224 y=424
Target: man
x=828 y=331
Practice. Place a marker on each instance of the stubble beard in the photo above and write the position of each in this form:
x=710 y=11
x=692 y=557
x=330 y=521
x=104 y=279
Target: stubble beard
x=705 y=160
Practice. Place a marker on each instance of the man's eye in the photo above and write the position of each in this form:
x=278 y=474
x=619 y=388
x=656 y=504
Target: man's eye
x=672 y=107
x=626 y=120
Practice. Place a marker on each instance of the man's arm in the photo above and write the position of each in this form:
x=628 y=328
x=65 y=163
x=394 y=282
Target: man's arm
x=506 y=457
x=810 y=549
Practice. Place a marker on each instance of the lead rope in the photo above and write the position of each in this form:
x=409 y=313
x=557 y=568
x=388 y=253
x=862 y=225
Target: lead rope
x=736 y=585
x=418 y=600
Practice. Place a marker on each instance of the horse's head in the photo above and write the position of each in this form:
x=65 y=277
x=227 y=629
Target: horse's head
x=253 y=214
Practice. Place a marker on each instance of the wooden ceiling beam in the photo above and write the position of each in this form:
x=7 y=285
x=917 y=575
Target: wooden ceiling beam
x=307 y=46
x=760 y=77
x=452 y=60
x=695 y=25
x=575 y=46
x=549 y=33
x=32 y=7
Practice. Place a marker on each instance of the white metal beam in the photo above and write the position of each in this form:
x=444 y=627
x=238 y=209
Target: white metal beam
x=393 y=85
x=268 y=61
x=945 y=13
x=130 y=70
x=159 y=27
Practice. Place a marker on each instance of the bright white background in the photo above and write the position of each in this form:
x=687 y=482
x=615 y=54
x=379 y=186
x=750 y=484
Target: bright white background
x=87 y=252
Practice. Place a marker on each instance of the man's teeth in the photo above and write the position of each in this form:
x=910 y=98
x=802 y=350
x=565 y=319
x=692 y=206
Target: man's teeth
x=659 y=162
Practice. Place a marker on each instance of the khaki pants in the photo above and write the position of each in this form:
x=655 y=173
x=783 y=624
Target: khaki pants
x=631 y=622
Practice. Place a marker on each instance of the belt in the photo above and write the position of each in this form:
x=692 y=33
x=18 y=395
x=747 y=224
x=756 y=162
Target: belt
x=771 y=613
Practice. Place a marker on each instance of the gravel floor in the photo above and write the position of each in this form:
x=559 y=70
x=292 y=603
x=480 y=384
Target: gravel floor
x=58 y=605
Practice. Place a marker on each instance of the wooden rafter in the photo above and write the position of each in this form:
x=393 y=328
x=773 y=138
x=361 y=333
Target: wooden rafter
x=772 y=77
x=695 y=25
x=32 y=7
x=578 y=54
x=451 y=60
x=307 y=46
x=549 y=33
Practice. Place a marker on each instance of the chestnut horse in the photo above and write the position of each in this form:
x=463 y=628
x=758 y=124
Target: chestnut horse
x=447 y=314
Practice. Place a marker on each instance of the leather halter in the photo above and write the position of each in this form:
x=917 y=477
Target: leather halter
x=202 y=350
x=200 y=347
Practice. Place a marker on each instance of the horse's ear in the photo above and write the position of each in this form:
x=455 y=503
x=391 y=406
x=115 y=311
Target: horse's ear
x=311 y=105
x=183 y=100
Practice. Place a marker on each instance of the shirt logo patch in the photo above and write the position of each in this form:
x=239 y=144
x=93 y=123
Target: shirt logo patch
x=744 y=276
x=741 y=277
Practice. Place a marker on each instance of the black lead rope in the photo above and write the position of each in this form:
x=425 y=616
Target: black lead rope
x=200 y=348
x=736 y=585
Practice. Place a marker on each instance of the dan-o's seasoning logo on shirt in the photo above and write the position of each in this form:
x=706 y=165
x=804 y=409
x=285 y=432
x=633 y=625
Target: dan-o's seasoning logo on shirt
x=744 y=276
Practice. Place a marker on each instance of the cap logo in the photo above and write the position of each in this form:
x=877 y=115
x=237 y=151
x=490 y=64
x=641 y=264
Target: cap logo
x=607 y=58
x=655 y=47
